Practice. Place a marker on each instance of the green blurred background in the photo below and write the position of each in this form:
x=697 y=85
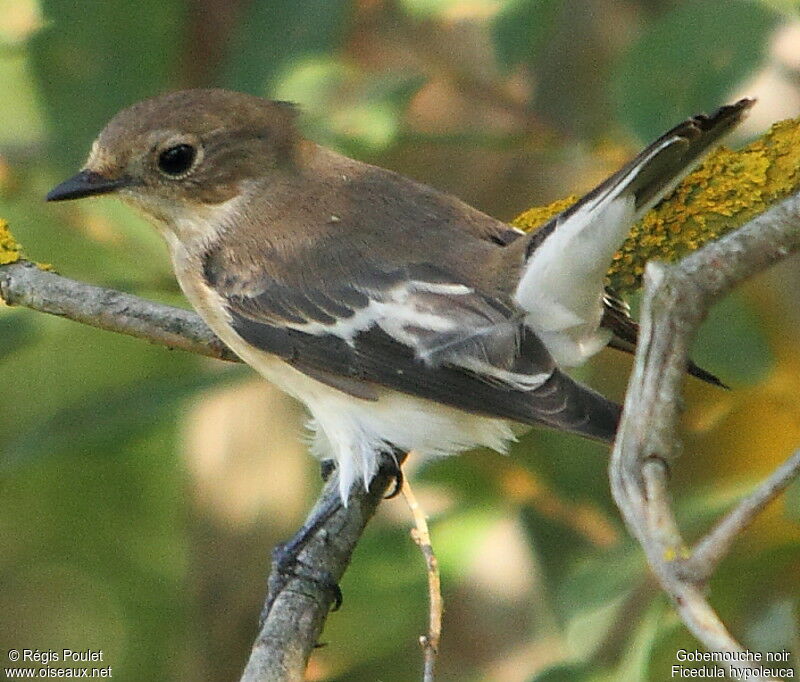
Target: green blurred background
x=143 y=489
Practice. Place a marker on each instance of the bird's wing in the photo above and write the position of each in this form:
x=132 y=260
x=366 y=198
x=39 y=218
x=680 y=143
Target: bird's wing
x=561 y=286
x=414 y=329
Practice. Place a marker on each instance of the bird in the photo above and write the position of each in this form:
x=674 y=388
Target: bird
x=401 y=317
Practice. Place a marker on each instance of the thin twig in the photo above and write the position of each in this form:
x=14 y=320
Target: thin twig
x=421 y=535
x=675 y=302
x=715 y=545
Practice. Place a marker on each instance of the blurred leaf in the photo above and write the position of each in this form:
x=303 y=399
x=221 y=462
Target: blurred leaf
x=345 y=107
x=590 y=629
x=99 y=544
x=600 y=579
x=273 y=36
x=689 y=61
x=424 y=9
x=106 y=420
x=16 y=330
x=468 y=476
x=18 y=19
x=774 y=627
x=96 y=57
x=521 y=28
x=556 y=546
x=564 y=673
x=788 y=7
x=22 y=121
x=574 y=467
x=635 y=664
x=458 y=537
x=732 y=343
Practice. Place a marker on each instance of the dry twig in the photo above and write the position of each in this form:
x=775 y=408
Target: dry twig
x=422 y=536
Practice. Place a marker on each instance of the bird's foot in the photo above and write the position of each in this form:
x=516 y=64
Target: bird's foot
x=286 y=568
x=287 y=565
x=391 y=466
x=326 y=469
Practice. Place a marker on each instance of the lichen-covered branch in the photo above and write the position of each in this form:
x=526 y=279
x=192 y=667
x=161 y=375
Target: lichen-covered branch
x=726 y=191
x=10 y=251
x=676 y=300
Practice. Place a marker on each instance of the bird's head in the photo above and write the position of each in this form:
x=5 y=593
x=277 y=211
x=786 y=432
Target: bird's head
x=187 y=151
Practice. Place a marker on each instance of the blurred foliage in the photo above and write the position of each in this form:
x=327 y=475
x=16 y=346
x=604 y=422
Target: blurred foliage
x=112 y=54
x=521 y=28
x=275 y=36
x=113 y=452
x=720 y=42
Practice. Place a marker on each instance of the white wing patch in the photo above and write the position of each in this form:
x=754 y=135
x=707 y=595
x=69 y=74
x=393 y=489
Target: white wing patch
x=394 y=311
x=562 y=285
x=413 y=314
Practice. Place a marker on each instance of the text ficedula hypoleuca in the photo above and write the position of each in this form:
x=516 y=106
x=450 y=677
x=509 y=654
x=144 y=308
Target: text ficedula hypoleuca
x=400 y=316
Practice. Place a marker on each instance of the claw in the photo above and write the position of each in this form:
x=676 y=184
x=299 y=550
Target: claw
x=390 y=465
x=326 y=469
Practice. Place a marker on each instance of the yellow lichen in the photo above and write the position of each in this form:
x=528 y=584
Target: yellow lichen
x=680 y=553
x=726 y=191
x=537 y=216
x=10 y=251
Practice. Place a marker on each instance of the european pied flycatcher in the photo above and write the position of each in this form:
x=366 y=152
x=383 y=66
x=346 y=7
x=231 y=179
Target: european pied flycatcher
x=401 y=317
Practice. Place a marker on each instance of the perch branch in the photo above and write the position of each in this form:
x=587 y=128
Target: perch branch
x=24 y=284
x=421 y=535
x=675 y=302
x=292 y=627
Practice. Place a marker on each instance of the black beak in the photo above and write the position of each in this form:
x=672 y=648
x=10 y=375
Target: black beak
x=85 y=184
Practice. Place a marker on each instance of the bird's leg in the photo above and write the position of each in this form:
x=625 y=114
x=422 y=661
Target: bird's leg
x=390 y=464
x=286 y=562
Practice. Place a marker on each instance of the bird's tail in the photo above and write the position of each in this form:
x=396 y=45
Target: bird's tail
x=566 y=405
x=566 y=260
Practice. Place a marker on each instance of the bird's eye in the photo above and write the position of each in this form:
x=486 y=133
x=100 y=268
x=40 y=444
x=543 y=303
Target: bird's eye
x=176 y=161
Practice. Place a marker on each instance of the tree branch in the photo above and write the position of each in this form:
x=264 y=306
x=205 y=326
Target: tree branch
x=294 y=623
x=23 y=283
x=676 y=300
